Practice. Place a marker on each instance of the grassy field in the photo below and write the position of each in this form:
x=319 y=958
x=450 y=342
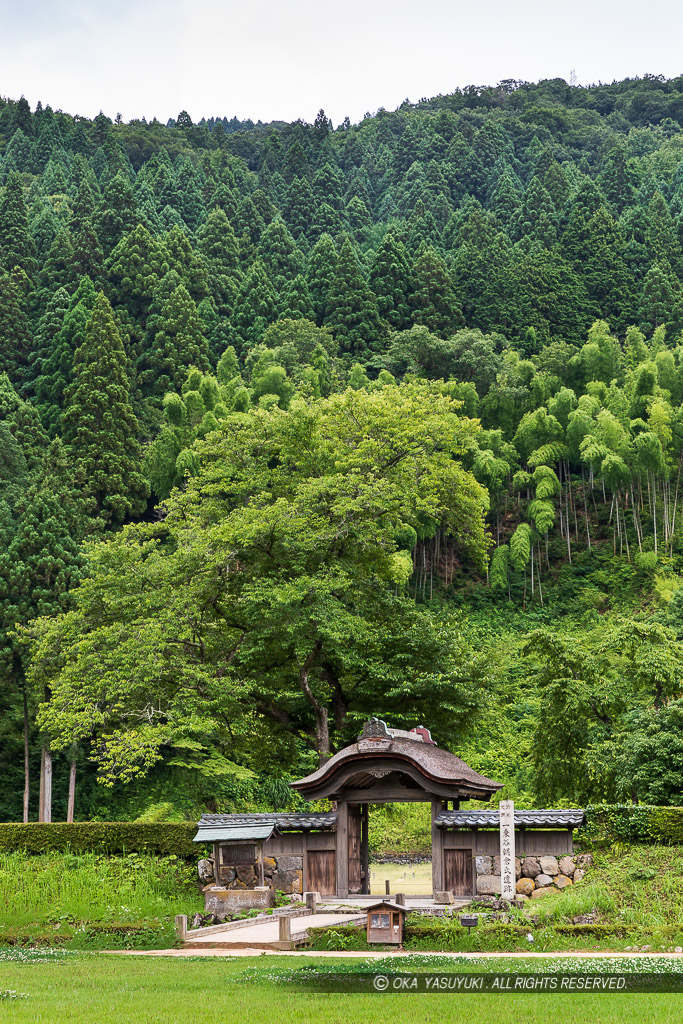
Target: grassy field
x=94 y=900
x=120 y=990
x=412 y=879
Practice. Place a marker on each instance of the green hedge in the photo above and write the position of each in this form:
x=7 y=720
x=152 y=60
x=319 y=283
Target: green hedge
x=631 y=823
x=102 y=837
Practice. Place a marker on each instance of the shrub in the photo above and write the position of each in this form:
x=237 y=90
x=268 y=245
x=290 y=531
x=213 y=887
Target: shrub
x=631 y=823
x=101 y=837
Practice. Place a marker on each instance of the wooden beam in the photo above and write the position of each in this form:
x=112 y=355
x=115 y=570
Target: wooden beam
x=342 y=857
x=364 y=850
x=437 y=849
x=260 y=864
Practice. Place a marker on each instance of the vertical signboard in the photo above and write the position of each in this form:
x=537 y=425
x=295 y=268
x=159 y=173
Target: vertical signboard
x=507 y=849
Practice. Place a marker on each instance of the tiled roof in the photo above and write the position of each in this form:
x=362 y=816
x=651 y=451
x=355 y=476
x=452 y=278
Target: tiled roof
x=543 y=818
x=216 y=827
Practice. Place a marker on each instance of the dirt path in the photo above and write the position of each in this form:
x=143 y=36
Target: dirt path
x=346 y=954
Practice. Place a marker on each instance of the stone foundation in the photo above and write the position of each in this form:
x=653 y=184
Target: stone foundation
x=284 y=874
x=223 y=902
x=534 y=875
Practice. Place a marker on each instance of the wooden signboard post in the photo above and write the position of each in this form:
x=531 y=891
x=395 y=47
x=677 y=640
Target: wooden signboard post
x=507 y=849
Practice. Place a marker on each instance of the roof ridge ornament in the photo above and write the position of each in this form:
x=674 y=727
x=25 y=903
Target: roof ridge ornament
x=375 y=729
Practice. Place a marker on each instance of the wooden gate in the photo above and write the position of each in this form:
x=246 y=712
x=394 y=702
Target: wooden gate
x=321 y=874
x=457 y=866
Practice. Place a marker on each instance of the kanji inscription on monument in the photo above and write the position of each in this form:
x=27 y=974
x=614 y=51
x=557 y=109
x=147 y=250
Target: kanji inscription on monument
x=507 y=849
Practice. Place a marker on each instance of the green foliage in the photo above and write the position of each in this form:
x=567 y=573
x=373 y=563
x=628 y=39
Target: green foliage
x=351 y=310
x=631 y=823
x=503 y=241
x=326 y=609
x=109 y=837
x=99 y=426
x=400 y=829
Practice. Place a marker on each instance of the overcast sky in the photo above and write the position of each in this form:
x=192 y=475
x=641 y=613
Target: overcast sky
x=268 y=60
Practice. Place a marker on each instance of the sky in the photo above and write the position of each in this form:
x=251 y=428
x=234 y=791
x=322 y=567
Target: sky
x=281 y=61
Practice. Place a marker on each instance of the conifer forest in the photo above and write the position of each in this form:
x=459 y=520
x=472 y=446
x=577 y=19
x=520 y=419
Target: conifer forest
x=302 y=423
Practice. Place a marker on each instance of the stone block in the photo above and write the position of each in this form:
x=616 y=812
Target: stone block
x=530 y=867
x=246 y=875
x=226 y=875
x=290 y=863
x=224 y=902
x=484 y=865
x=496 y=866
x=489 y=885
x=444 y=897
x=543 y=880
x=205 y=870
x=525 y=886
x=584 y=860
x=567 y=866
x=518 y=868
x=561 y=881
x=269 y=865
x=549 y=866
x=541 y=892
x=578 y=875
x=288 y=881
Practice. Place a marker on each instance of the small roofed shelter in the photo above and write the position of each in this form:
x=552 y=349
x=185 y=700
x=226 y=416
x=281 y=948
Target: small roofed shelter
x=389 y=766
x=241 y=843
x=386 y=922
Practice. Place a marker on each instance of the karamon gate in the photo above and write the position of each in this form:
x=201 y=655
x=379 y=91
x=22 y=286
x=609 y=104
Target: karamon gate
x=327 y=852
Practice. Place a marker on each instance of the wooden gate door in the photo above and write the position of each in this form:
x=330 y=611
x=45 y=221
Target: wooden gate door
x=458 y=872
x=321 y=874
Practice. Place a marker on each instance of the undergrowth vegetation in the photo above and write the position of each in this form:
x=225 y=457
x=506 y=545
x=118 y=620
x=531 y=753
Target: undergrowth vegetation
x=93 y=901
x=631 y=896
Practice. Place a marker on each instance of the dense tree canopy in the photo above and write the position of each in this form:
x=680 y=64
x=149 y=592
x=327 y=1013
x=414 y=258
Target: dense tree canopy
x=187 y=315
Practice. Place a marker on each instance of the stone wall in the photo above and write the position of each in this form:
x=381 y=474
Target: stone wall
x=283 y=873
x=223 y=902
x=535 y=876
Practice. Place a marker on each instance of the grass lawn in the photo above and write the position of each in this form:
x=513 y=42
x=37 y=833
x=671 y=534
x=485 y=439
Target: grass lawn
x=412 y=879
x=91 y=988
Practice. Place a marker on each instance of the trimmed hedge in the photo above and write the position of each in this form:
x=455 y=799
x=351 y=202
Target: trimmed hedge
x=631 y=823
x=171 y=837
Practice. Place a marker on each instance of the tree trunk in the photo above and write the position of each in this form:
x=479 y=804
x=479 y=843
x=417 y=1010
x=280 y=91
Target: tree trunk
x=585 y=511
x=72 y=790
x=27 y=777
x=45 y=812
x=322 y=731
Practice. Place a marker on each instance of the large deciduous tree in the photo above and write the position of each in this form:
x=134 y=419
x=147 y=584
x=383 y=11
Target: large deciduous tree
x=274 y=590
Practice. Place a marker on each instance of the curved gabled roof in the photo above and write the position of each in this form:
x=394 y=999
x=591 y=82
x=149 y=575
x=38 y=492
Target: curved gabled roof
x=390 y=750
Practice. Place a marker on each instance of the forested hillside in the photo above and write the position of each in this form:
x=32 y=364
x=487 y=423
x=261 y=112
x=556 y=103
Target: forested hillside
x=301 y=423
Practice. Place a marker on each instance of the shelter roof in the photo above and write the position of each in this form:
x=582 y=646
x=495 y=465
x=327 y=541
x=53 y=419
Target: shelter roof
x=235 y=827
x=386 y=903
x=562 y=818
